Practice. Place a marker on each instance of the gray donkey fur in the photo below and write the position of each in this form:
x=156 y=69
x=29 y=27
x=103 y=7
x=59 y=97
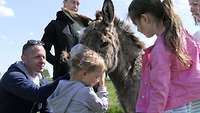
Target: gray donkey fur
x=121 y=51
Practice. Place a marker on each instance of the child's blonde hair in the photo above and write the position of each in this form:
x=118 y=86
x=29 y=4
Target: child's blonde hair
x=163 y=10
x=83 y=58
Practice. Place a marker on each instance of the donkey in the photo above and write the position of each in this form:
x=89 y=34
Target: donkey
x=121 y=50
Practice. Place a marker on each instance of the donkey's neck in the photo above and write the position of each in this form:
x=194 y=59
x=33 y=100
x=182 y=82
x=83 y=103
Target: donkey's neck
x=125 y=69
x=126 y=81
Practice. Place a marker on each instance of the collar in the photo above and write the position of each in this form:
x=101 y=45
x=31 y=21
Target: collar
x=61 y=15
x=22 y=67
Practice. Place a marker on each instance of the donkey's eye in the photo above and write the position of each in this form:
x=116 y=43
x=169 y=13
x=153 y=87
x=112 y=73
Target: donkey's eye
x=104 y=44
x=110 y=37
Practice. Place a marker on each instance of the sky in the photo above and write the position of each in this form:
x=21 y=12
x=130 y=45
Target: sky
x=21 y=20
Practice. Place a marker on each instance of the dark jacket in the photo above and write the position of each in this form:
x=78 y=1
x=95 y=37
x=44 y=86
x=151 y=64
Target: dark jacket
x=19 y=94
x=60 y=34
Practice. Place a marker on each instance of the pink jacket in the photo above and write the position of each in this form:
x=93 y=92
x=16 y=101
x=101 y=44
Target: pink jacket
x=164 y=83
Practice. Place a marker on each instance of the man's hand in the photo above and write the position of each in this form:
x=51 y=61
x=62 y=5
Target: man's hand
x=64 y=57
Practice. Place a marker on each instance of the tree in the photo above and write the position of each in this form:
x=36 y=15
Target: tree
x=46 y=74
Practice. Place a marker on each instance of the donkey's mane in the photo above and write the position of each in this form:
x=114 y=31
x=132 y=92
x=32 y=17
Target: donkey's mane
x=123 y=25
x=126 y=29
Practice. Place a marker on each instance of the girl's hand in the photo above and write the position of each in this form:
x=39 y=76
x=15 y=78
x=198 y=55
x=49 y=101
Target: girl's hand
x=102 y=79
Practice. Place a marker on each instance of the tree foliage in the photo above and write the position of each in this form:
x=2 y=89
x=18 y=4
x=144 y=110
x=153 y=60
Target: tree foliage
x=46 y=74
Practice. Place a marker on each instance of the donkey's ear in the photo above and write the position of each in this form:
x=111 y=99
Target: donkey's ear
x=108 y=11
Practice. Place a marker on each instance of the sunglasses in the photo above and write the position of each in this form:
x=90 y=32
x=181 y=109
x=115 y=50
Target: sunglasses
x=30 y=43
x=34 y=42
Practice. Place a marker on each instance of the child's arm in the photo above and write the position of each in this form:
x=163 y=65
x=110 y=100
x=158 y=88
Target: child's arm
x=102 y=80
x=98 y=102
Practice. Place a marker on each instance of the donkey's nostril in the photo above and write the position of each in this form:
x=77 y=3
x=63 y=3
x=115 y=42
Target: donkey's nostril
x=104 y=44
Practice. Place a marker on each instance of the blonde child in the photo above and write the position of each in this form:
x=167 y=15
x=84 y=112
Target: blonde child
x=77 y=94
x=170 y=76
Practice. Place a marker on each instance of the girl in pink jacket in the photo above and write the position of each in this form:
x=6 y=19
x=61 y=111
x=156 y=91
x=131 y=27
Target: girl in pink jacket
x=170 y=76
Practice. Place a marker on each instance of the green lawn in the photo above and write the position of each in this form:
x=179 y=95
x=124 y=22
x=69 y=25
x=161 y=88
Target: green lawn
x=114 y=106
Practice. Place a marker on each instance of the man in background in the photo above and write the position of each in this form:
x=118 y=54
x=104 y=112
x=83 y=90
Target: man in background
x=63 y=34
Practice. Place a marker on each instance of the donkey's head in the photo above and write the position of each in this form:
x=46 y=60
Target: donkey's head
x=105 y=36
x=102 y=36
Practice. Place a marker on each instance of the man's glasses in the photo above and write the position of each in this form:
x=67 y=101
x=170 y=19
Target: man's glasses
x=34 y=42
x=30 y=43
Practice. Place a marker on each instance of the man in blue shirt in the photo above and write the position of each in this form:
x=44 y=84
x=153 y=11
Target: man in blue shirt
x=22 y=89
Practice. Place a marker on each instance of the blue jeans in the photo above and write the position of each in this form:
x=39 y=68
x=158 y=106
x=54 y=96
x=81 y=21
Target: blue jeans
x=183 y=109
x=196 y=106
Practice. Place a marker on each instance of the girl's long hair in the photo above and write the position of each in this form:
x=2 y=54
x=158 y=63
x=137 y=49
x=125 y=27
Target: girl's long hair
x=164 y=11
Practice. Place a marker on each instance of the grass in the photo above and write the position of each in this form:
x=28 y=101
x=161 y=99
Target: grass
x=114 y=105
